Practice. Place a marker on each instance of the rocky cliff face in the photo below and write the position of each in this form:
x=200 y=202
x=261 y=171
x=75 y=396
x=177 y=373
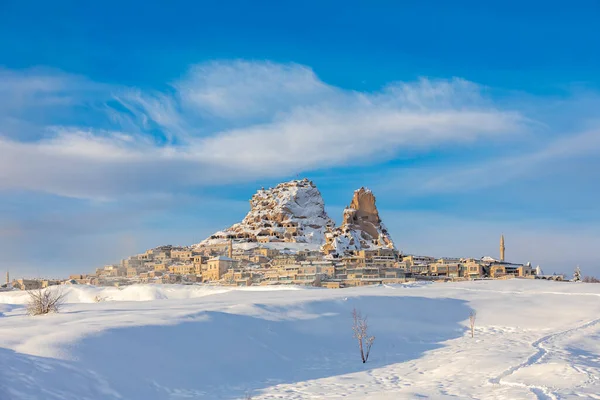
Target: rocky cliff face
x=290 y=212
x=361 y=227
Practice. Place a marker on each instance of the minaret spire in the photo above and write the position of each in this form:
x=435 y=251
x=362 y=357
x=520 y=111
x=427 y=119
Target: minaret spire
x=7 y=278
x=230 y=253
x=502 y=248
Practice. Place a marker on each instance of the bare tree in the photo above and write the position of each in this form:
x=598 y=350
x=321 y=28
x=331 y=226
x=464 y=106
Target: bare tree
x=472 y=317
x=360 y=328
x=44 y=301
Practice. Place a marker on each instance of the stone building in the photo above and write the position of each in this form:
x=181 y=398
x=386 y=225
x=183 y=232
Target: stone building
x=216 y=267
x=182 y=254
x=182 y=269
x=472 y=269
x=27 y=284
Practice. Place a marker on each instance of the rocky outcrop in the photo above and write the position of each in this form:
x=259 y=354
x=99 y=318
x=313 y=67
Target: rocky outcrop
x=294 y=212
x=290 y=212
x=361 y=228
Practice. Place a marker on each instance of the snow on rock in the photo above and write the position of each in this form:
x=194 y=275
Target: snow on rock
x=290 y=212
x=361 y=229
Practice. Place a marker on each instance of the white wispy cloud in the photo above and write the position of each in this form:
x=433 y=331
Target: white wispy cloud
x=241 y=89
x=226 y=121
x=551 y=157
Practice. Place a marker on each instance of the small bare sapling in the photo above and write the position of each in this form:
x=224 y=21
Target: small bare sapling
x=360 y=328
x=472 y=317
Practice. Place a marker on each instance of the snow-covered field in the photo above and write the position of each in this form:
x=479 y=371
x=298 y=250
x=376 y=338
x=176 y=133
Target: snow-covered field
x=533 y=339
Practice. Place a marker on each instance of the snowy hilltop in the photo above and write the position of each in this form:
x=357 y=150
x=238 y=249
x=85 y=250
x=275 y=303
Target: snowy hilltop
x=294 y=212
x=290 y=212
x=361 y=228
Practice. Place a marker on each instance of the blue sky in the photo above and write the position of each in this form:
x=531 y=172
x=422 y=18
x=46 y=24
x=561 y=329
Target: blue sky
x=126 y=125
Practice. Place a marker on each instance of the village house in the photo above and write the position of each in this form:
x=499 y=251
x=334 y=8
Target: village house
x=115 y=270
x=382 y=261
x=214 y=268
x=145 y=257
x=238 y=277
x=288 y=273
x=402 y=265
x=354 y=261
x=393 y=273
x=313 y=272
x=357 y=272
x=154 y=274
x=132 y=262
x=160 y=267
x=500 y=270
x=266 y=252
x=472 y=269
x=449 y=267
x=191 y=278
x=284 y=259
x=144 y=276
x=333 y=284
x=182 y=269
x=259 y=259
x=340 y=271
x=162 y=256
x=182 y=254
x=27 y=284
x=132 y=272
x=412 y=260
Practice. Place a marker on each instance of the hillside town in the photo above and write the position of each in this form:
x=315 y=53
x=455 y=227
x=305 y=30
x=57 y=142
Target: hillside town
x=288 y=239
x=226 y=265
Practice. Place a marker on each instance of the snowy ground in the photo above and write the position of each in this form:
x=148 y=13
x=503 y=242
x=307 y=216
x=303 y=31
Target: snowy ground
x=534 y=339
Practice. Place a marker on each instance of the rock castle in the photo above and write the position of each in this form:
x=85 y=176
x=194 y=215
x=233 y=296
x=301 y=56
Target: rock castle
x=288 y=238
x=294 y=212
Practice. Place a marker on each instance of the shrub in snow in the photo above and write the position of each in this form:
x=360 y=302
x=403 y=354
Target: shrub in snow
x=44 y=301
x=99 y=299
x=472 y=317
x=591 y=279
x=361 y=333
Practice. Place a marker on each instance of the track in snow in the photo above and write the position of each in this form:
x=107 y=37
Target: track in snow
x=541 y=392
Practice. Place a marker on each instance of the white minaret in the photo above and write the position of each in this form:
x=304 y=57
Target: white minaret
x=538 y=271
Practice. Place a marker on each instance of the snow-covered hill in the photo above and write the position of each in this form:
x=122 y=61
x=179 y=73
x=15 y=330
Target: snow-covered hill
x=533 y=339
x=294 y=212
x=290 y=212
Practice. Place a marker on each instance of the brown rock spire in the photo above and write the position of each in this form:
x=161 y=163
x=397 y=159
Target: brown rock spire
x=361 y=227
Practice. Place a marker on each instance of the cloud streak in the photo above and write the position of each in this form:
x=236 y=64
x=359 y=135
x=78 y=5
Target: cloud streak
x=578 y=149
x=227 y=121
